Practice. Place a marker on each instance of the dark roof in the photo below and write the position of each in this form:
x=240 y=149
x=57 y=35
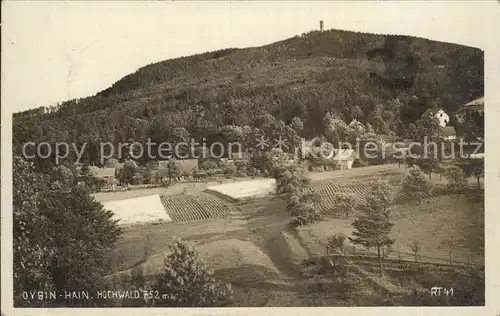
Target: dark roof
x=448 y=131
x=477 y=102
x=430 y=112
x=476 y=105
x=345 y=154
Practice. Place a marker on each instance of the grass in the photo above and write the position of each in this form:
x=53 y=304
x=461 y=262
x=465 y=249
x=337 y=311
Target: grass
x=440 y=224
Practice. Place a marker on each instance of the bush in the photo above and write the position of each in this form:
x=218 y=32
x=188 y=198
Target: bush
x=208 y=165
x=241 y=173
x=137 y=178
x=187 y=282
x=229 y=170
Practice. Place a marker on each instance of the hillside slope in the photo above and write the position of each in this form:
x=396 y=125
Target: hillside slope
x=346 y=73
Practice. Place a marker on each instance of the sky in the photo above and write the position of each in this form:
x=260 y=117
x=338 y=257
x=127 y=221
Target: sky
x=56 y=51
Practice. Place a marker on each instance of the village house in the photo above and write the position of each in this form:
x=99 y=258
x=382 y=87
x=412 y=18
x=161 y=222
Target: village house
x=438 y=113
x=186 y=166
x=313 y=147
x=467 y=111
x=344 y=158
x=107 y=174
x=357 y=125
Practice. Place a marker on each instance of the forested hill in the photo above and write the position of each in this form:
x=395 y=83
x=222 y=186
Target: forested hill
x=387 y=81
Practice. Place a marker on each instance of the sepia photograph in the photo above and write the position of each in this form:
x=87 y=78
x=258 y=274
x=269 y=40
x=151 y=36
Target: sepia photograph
x=245 y=154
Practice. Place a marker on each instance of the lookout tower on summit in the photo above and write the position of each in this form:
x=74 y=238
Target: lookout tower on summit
x=321 y=26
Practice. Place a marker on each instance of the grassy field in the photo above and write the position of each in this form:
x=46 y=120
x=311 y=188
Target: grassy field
x=253 y=247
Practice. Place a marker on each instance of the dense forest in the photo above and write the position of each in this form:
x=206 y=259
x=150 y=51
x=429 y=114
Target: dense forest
x=384 y=80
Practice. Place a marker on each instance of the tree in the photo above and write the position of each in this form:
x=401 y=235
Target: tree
x=415 y=248
x=137 y=178
x=302 y=208
x=412 y=131
x=376 y=119
x=229 y=169
x=208 y=165
x=457 y=181
x=133 y=281
x=428 y=127
x=232 y=132
x=60 y=236
x=32 y=253
x=369 y=129
x=174 y=170
x=63 y=174
x=440 y=168
x=291 y=180
x=476 y=168
x=111 y=163
x=83 y=233
x=86 y=176
x=449 y=245
x=383 y=193
x=372 y=228
x=415 y=183
x=187 y=282
x=409 y=162
x=336 y=242
x=336 y=130
x=427 y=165
x=128 y=172
x=344 y=203
x=297 y=125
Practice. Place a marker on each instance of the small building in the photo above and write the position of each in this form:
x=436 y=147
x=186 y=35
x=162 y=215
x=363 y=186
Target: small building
x=357 y=125
x=448 y=133
x=438 y=113
x=344 y=158
x=467 y=111
x=186 y=167
x=106 y=174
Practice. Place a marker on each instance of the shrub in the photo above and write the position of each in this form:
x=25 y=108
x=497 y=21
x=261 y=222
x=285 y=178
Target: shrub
x=187 y=282
x=416 y=184
x=457 y=182
x=208 y=165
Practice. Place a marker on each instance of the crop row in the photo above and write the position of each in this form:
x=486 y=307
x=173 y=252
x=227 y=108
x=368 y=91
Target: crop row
x=327 y=189
x=187 y=207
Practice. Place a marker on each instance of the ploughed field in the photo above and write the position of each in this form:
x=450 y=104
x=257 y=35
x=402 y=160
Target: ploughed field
x=192 y=207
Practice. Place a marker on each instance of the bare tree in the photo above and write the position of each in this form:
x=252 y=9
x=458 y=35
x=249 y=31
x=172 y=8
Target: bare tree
x=336 y=242
x=415 y=248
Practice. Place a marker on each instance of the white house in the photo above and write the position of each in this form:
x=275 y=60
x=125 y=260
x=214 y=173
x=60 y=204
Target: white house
x=441 y=115
x=357 y=125
x=344 y=158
